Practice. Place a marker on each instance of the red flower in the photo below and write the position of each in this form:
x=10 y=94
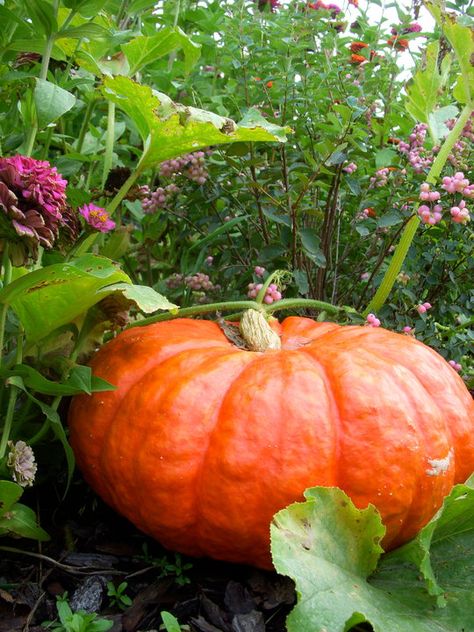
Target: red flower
x=269 y=84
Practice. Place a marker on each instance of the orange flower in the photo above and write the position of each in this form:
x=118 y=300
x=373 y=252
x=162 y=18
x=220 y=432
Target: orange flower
x=393 y=141
x=371 y=212
x=357 y=59
x=269 y=84
x=399 y=44
x=358 y=46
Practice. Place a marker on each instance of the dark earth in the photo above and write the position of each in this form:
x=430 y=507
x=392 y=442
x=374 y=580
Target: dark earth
x=91 y=546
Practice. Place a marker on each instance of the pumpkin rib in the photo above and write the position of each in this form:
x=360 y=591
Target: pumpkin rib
x=120 y=348
x=412 y=511
x=335 y=406
x=385 y=365
x=253 y=356
x=135 y=464
x=413 y=368
x=241 y=447
x=198 y=479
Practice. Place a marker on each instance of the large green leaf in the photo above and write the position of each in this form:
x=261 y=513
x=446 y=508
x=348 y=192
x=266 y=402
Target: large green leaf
x=50 y=297
x=10 y=493
x=461 y=39
x=424 y=88
x=21 y=521
x=144 y=50
x=79 y=380
x=145 y=298
x=170 y=129
x=16 y=519
x=51 y=102
x=330 y=549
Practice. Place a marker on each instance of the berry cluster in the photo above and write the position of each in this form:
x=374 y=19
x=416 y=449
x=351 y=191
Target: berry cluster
x=372 y=321
x=153 y=201
x=272 y=293
x=418 y=156
x=259 y=271
x=429 y=215
x=350 y=168
x=423 y=308
x=460 y=152
x=380 y=179
x=190 y=165
x=458 y=184
x=451 y=184
x=196 y=282
x=456 y=366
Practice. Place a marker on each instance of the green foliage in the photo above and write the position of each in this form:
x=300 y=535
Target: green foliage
x=169 y=129
x=171 y=623
x=80 y=621
x=107 y=92
x=331 y=550
x=117 y=595
x=16 y=519
x=176 y=568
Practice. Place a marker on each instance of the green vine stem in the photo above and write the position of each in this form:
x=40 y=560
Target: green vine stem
x=240 y=306
x=408 y=234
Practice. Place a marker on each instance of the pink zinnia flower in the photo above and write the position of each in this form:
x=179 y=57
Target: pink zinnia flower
x=97 y=218
x=34 y=205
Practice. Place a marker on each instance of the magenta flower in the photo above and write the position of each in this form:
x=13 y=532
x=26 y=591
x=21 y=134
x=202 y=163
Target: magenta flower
x=97 y=218
x=33 y=205
x=414 y=27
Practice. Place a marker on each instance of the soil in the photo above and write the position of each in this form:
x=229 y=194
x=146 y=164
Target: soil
x=91 y=547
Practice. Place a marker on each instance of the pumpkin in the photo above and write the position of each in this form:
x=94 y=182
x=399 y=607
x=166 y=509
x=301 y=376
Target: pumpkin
x=202 y=442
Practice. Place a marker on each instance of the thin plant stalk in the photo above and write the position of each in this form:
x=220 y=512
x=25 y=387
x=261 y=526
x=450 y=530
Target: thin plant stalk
x=8 y=423
x=109 y=142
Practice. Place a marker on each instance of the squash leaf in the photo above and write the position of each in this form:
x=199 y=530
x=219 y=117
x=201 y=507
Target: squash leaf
x=170 y=129
x=330 y=549
x=50 y=297
x=144 y=50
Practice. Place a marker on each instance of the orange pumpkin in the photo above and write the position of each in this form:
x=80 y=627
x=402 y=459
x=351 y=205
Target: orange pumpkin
x=202 y=442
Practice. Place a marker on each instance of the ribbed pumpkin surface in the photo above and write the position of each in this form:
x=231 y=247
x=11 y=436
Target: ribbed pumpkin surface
x=203 y=442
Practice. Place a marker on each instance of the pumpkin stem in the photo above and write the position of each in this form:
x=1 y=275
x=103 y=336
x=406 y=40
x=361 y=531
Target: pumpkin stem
x=257 y=333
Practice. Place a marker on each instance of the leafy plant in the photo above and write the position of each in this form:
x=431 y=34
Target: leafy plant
x=17 y=519
x=117 y=595
x=171 y=623
x=80 y=621
x=332 y=551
